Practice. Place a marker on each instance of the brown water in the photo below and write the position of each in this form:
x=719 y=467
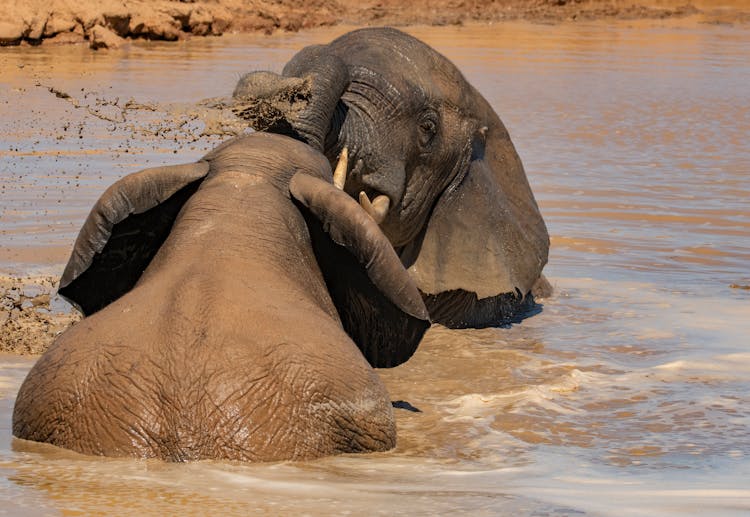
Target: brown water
x=629 y=394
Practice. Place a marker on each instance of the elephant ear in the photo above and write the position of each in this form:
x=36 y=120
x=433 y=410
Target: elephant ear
x=301 y=102
x=123 y=232
x=485 y=244
x=379 y=304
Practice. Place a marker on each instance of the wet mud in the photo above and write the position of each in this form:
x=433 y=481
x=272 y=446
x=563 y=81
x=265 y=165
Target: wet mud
x=30 y=315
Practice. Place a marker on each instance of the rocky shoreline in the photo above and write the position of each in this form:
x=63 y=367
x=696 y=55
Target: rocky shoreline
x=106 y=24
x=112 y=23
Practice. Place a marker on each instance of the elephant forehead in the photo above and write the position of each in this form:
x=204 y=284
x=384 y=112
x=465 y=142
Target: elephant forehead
x=402 y=60
x=393 y=93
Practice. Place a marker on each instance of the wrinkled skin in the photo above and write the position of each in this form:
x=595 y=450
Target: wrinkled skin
x=460 y=211
x=266 y=297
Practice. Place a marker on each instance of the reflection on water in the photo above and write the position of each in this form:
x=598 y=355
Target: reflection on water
x=627 y=395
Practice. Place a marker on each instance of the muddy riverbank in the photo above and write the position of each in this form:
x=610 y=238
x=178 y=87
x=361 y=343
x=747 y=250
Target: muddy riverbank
x=113 y=23
x=30 y=315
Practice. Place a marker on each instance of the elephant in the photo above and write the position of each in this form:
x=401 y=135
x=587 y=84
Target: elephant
x=235 y=308
x=431 y=160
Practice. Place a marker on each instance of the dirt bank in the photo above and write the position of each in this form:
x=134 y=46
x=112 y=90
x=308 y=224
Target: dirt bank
x=110 y=23
x=29 y=318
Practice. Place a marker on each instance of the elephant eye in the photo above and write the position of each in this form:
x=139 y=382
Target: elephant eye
x=427 y=128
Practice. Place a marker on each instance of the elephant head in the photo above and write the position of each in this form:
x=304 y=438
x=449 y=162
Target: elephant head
x=430 y=160
x=235 y=308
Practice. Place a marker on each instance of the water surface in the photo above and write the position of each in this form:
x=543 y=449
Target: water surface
x=629 y=394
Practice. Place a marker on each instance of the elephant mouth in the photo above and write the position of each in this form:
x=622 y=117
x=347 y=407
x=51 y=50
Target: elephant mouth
x=376 y=205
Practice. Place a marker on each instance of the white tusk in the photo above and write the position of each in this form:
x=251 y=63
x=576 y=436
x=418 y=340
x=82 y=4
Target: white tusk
x=377 y=209
x=339 y=175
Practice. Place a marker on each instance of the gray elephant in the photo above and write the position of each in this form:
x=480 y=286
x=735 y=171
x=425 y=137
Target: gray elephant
x=236 y=307
x=431 y=161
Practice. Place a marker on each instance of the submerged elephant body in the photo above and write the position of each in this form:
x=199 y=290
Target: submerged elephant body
x=229 y=344
x=431 y=150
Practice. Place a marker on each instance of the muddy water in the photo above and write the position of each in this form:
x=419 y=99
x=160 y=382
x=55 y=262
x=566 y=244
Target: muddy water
x=629 y=394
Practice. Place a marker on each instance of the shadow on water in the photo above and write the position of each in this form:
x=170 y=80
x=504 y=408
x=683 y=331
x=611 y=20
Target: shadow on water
x=402 y=404
x=500 y=311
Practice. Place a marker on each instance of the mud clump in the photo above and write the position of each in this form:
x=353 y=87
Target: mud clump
x=102 y=37
x=28 y=321
x=269 y=102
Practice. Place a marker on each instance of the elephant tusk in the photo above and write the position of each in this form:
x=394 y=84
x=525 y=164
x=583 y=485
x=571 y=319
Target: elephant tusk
x=339 y=175
x=377 y=208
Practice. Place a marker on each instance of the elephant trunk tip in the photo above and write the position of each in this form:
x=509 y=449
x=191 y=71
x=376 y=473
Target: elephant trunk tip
x=377 y=208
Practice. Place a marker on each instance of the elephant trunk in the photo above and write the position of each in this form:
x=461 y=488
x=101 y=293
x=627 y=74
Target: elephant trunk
x=300 y=103
x=329 y=78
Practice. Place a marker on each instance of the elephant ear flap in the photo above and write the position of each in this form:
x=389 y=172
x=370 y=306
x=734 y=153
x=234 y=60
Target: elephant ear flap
x=485 y=244
x=379 y=304
x=123 y=232
x=300 y=102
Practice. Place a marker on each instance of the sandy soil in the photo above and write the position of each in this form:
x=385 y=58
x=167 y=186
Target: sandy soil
x=110 y=23
x=29 y=320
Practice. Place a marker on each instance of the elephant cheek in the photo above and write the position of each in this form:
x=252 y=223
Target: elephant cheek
x=406 y=222
x=400 y=230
